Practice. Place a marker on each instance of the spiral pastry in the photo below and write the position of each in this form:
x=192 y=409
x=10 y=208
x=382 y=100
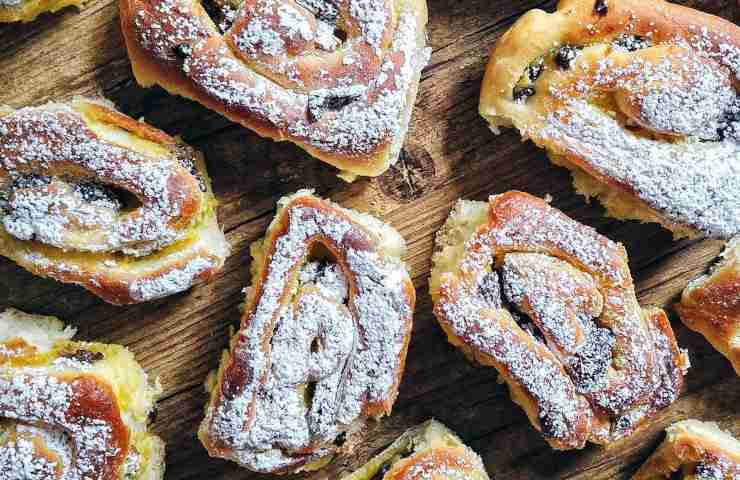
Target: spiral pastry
x=710 y=304
x=336 y=77
x=322 y=343
x=550 y=304
x=72 y=410
x=693 y=450
x=92 y=197
x=637 y=98
x=428 y=451
x=28 y=10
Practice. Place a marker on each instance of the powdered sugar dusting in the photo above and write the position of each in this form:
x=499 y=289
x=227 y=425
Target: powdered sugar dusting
x=673 y=138
x=173 y=281
x=41 y=399
x=340 y=337
x=576 y=288
x=48 y=157
x=268 y=64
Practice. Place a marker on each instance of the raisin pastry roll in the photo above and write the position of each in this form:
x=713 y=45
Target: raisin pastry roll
x=72 y=410
x=28 y=10
x=710 y=304
x=693 y=450
x=92 y=197
x=550 y=304
x=337 y=78
x=429 y=450
x=322 y=343
x=639 y=99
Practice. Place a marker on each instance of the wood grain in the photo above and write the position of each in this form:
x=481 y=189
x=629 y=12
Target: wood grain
x=450 y=153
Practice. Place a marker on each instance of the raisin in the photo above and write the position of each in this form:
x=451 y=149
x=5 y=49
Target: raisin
x=183 y=51
x=601 y=8
x=490 y=289
x=341 y=439
x=84 y=356
x=320 y=103
x=534 y=70
x=521 y=94
x=565 y=56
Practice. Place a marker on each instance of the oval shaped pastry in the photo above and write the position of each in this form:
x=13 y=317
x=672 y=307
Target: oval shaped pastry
x=322 y=343
x=28 y=10
x=92 y=197
x=710 y=304
x=638 y=99
x=693 y=450
x=337 y=78
x=72 y=410
x=428 y=451
x=550 y=304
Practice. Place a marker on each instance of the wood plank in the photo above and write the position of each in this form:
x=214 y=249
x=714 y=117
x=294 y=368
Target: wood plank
x=450 y=154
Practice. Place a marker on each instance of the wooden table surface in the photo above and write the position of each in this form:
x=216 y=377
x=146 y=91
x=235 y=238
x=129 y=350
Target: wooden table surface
x=449 y=153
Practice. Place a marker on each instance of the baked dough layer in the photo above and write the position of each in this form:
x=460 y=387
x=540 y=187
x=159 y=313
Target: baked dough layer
x=637 y=98
x=710 y=304
x=429 y=450
x=59 y=218
x=280 y=70
x=550 y=304
x=693 y=450
x=71 y=409
x=322 y=343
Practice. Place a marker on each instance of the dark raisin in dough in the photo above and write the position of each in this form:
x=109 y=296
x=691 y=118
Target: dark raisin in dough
x=565 y=56
x=523 y=93
x=601 y=8
x=534 y=70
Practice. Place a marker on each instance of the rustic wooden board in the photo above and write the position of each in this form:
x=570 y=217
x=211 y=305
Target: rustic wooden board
x=450 y=154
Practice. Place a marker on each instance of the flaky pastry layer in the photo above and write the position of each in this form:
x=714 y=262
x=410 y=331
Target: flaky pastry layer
x=693 y=450
x=429 y=450
x=710 y=304
x=72 y=410
x=550 y=304
x=322 y=343
x=60 y=216
x=281 y=70
x=637 y=98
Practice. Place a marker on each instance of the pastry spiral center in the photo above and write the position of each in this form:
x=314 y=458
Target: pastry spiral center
x=59 y=181
x=564 y=304
x=311 y=346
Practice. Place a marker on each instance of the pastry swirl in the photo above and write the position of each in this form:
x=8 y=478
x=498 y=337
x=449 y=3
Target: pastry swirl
x=322 y=343
x=693 y=450
x=90 y=196
x=427 y=451
x=281 y=69
x=550 y=304
x=72 y=410
x=710 y=304
x=638 y=99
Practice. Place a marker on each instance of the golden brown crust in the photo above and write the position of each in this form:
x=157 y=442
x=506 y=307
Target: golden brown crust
x=63 y=410
x=551 y=305
x=269 y=77
x=427 y=451
x=696 y=450
x=336 y=335
x=710 y=305
x=55 y=225
x=624 y=91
